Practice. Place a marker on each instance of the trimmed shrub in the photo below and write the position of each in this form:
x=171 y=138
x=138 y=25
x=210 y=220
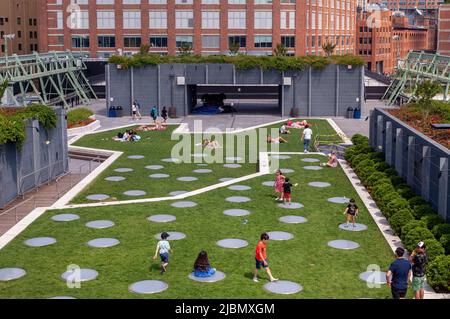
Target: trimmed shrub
x=416 y=235
x=395 y=206
x=386 y=199
x=366 y=172
x=416 y=201
x=434 y=248
x=391 y=172
x=400 y=219
x=381 y=166
x=360 y=139
x=438 y=273
x=382 y=189
x=395 y=180
x=412 y=225
x=405 y=191
x=376 y=156
x=359 y=158
x=423 y=210
x=359 y=167
x=445 y=242
x=78 y=115
x=441 y=229
x=375 y=177
x=350 y=152
x=432 y=220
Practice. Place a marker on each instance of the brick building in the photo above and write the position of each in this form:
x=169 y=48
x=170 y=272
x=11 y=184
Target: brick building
x=105 y=27
x=409 y=4
x=443 y=42
x=19 y=17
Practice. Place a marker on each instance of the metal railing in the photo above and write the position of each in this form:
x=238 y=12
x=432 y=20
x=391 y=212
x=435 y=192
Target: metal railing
x=57 y=182
x=97 y=158
x=37 y=182
x=14 y=208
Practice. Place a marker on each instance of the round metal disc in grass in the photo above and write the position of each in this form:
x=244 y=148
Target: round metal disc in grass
x=173 y=235
x=100 y=224
x=103 y=242
x=283 y=287
x=291 y=219
x=287 y=170
x=319 y=184
x=310 y=160
x=62 y=297
x=154 y=167
x=239 y=187
x=175 y=193
x=281 y=156
x=312 y=168
x=97 y=197
x=123 y=170
x=226 y=179
x=83 y=274
x=233 y=158
x=135 y=192
x=218 y=275
x=114 y=178
x=202 y=171
x=187 y=178
x=40 y=241
x=148 y=287
x=65 y=217
x=232 y=165
x=280 y=235
x=199 y=155
x=161 y=218
x=269 y=183
x=159 y=175
x=236 y=212
x=343 y=244
x=184 y=204
x=238 y=199
x=171 y=160
x=292 y=205
x=7 y=274
x=233 y=243
x=136 y=156
x=349 y=227
x=339 y=200
x=373 y=277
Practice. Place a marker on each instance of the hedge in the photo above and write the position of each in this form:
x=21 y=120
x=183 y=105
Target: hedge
x=375 y=177
x=423 y=210
x=416 y=201
x=445 y=242
x=416 y=235
x=441 y=229
x=412 y=225
x=400 y=219
x=395 y=206
x=433 y=248
x=78 y=115
x=432 y=220
x=438 y=273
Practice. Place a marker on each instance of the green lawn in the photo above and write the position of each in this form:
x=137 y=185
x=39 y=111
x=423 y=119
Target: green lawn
x=323 y=272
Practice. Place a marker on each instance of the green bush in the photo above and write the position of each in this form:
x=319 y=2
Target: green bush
x=416 y=201
x=380 y=189
x=423 y=210
x=381 y=166
x=438 y=274
x=365 y=173
x=400 y=219
x=360 y=139
x=445 y=242
x=391 y=172
x=405 y=191
x=396 y=180
x=375 y=177
x=386 y=199
x=416 y=235
x=78 y=115
x=350 y=152
x=395 y=206
x=441 y=229
x=434 y=248
x=362 y=165
x=412 y=225
x=358 y=158
x=376 y=156
x=432 y=220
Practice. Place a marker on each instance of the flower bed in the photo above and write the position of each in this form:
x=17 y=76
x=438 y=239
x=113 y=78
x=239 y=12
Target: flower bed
x=410 y=216
x=79 y=117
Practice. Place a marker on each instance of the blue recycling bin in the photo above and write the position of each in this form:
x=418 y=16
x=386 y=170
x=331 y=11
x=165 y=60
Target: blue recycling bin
x=357 y=113
x=112 y=111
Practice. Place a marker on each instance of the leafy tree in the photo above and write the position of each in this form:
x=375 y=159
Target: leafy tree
x=3 y=88
x=234 y=48
x=280 y=50
x=426 y=91
x=328 y=48
x=185 y=49
x=144 y=49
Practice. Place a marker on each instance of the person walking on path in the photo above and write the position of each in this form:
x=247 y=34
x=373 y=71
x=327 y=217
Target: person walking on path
x=261 y=258
x=164 y=114
x=419 y=259
x=306 y=138
x=154 y=113
x=133 y=111
x=163 y=248
x=138 y=108
x=398 y=275
x=351 y=211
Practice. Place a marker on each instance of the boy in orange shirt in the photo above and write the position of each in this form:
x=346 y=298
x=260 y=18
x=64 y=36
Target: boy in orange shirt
x=261 y=258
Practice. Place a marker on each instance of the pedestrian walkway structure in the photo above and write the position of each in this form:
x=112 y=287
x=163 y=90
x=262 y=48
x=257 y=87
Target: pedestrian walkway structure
x=49 y=78
x=416 y=68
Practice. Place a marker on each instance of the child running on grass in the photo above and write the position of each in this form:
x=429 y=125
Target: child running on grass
x=261 y=258
x=287 y=186
x=163 y=247
x=278 y=185
x=351 y=211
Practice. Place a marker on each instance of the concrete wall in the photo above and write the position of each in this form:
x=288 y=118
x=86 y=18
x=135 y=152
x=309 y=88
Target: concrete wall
x=316 y=93
x=423 y=163
x=36 y=161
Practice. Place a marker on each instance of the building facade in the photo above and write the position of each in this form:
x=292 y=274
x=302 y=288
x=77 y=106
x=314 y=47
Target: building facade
x=409 y=4
x=19 y=18
x=105 y=27
x=443 y=46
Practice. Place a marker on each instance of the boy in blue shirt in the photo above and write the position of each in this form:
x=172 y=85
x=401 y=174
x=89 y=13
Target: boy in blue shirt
x=163 y=248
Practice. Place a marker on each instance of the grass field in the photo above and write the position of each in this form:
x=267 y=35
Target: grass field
x=324 y=272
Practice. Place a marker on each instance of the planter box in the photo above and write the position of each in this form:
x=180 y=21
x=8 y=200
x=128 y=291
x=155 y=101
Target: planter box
x=84 y=129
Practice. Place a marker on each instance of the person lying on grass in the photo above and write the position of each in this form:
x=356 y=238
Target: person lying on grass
x=298 y=125
x=157 y=127
x=163 y=248
x=332 y=160
x=202 y=267
x=351 y=211
x=275 y=140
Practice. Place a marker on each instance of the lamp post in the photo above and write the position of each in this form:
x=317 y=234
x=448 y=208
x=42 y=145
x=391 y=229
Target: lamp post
x=8 y=37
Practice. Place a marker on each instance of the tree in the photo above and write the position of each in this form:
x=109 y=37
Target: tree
x=280 y=50
x=3 y=87
x=185 y=49
x=425 y=91
x=144 y=49
x=328 y=48
x=234 y=48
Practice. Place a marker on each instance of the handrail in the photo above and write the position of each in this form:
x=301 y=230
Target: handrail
x=34 y=173
x=98 y=157
x=17 y=206
x=59 y=178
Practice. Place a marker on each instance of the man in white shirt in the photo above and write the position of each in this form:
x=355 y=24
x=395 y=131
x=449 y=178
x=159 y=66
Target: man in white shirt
x=306 y=137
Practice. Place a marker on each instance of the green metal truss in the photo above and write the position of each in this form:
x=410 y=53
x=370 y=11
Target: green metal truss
x=416 y=68
x=50 y=77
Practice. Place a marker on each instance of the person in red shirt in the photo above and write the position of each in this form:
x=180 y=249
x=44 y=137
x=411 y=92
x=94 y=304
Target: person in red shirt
x=261 y=258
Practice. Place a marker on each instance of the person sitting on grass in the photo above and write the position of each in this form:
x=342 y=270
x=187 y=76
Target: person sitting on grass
x=202 y=267
x=351 y=211
x=332 y=160
x=283 y=130
x=163 y=248
x=122 y=137
x=275 y=140
x=261 y=258
x=287 y=188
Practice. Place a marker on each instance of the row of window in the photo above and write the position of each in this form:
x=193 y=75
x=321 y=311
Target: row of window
x=335 y=39
x=176 y=1
x=161 y=41
x=33 y=34
x=33 y=47
x=331 y=21
x=367 y=29
x=31 y=21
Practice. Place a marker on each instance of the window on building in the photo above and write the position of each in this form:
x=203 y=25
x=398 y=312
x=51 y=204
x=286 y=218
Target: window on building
x=131 y=41
x=131 y=19
x=19 y=34
x=210 y=20
x=263 y=41
x=30 y=22
x=2 y=21
x=31 y=35
x=313 y=41
x=237 y=20
x=106 y=20
x=59 y=19
x=105 y=1
x=239 y=39
x=262 y=1
x=181 y=40
x=184 y=19
x=183 y=1
x=236 y=1
x=263 y=20
x=288 y=41
x=80 y=41
x=210 y=1
x=2 y=48
x=131 y=1
x=210 y=41
x=82 y=1
x=59 y=40
x=19 y=21
x=157 y=1
x=313 y=20
x=287 y=20
x=288 y=1
x=106 y=41
x=158 y=19
x=79 y=20
x=158 y=41
x=319 y=21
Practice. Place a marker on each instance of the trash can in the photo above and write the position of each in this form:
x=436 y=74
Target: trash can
x=172 y=112
x=112 y=111
x=350 y=112
x=357 y=113
x=119 y=111
x=295 y=111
